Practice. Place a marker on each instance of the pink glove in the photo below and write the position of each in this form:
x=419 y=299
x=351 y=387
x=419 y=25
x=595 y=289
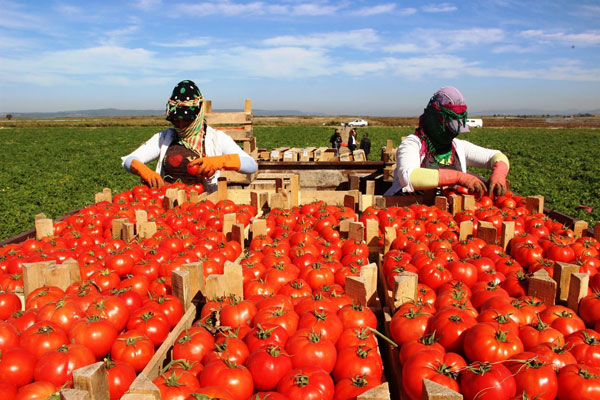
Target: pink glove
x=497 y=185
x=450 y=177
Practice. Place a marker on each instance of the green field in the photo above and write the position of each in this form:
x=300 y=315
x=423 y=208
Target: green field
x=53 y=170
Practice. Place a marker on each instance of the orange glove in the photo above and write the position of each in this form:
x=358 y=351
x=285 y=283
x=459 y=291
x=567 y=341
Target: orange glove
x=149 y=177
x=497 y=185
x=210 y=165
x=453 y=177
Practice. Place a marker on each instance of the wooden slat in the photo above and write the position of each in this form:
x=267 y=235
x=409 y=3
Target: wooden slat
x=74 y=394
x=229 y=118
x=435 y=391
x=543 y=287
x=562 y=275
x=578 y=289
x=152 y=369
x=92 y=379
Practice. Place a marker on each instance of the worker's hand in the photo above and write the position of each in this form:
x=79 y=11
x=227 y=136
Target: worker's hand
x=497 y=185
x=448 y=177
x=207 y=166
x=149 y=177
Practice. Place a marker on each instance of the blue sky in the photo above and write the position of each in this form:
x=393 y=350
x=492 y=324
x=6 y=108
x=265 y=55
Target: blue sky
x=332 y=57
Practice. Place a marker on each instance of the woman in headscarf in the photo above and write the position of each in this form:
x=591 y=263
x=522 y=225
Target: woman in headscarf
x=433 y=156
x=190 y=146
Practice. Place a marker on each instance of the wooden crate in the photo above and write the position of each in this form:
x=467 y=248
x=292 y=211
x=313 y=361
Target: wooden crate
x=238 y=125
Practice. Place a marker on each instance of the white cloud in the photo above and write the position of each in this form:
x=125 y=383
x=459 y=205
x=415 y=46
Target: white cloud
x=69 y=10
x=434 y=41
x=147 y=5
x=374 y=10
x=362 y=68
x=14 y=16
x=186 y=43
x=314 y=9
x=229 y=8
x=444 y=66
x=510 y=48
x=439 y=8
x=282 y=62
x=589 y=38
x=118 y=36
x=226 y=8
x=403 y=48
x=359 y=38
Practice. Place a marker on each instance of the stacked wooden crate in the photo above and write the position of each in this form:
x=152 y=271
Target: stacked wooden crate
x=238 y=125
x=388 y=156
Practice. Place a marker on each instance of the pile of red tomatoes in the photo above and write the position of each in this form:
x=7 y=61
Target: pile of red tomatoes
x=474 y=328
x=295 y=335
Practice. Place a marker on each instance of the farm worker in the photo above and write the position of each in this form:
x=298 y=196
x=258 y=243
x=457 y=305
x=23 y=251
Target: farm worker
x=352 y=140
x=365 y=144
x=189 y=146
x=433 y=157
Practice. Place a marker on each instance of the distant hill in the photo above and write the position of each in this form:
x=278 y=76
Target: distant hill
x=114 y=112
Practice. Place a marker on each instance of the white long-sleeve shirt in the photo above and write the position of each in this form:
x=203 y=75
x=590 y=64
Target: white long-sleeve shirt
x=216 y=143
x=409 y=157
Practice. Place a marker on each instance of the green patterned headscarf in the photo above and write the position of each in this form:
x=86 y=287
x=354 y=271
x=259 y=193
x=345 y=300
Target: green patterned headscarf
x=186 y=102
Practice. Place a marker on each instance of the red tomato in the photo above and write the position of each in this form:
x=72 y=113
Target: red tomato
x=175 y=385
x=228 y=347
x=409 y=325
x=436 y=366
x=120 y=376
x=578 y=381
x=95 y=333
x=358 y=360
x=133 y=348
x=151 y=322
x=42 y=337
x=193 y=344
x=64 y=313
x=307 y=383
x=234 y=378
x=9 y=336
x=110 y=308
x=216 y=393
x=534 y=376
x=585 y=346
x=310 y=348
x=267 y=366
x=9 y=304
x=16 y=366
x=350 y=388
x=57 y=366
x=485 y=381
x=40 y=390
x=43 y=295
x=487 y=341
x=264 y=335
x=451 y=326
x=534 y=334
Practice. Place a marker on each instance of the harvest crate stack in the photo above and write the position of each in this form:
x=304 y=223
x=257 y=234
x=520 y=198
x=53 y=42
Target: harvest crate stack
x=238 y=125
x=388 y=156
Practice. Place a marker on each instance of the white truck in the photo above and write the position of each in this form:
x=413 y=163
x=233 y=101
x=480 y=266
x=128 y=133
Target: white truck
x=475 y=123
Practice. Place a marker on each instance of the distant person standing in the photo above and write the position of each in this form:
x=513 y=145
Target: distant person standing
x=336 y=140
x=352 y=140
x=365 y=144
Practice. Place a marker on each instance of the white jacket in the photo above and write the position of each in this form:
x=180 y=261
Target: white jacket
x=409 y=157
x=216 y=143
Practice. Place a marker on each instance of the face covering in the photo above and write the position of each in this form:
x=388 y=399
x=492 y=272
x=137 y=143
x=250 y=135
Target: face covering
x=441 y=124
x=186 y=102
